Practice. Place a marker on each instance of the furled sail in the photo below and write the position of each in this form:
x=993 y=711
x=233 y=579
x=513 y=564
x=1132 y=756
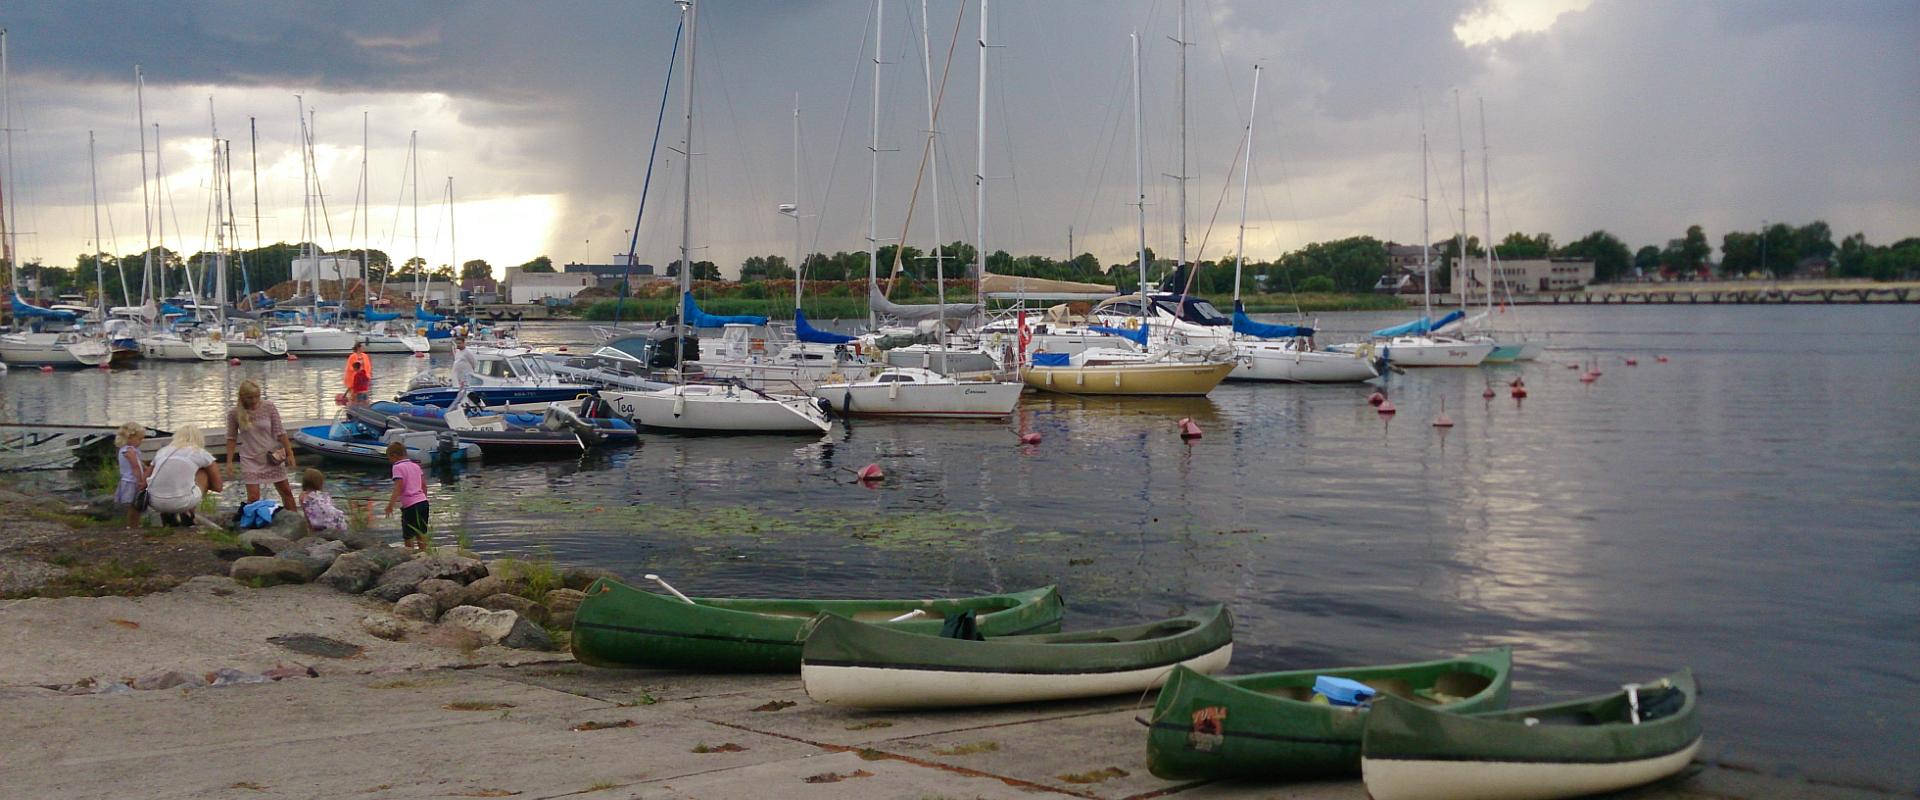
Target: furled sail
x=915 y=312
x=23 y=309
x=1137 y=336
x=1419 y=326
x=1246 y=326
x=690 y=310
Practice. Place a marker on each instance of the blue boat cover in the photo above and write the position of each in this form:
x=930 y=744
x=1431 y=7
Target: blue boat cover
x=379 y=316
x=1242 y=324
x=1138 y=337
x=1421 y=325
x=702 y=319
x=1052 y=360
x=421 y=313
x=169 y=309
x=22 y=309
x=808 y=333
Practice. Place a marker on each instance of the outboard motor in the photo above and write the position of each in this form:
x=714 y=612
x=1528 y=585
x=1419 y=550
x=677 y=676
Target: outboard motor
x=445 y=443
x=559 y=417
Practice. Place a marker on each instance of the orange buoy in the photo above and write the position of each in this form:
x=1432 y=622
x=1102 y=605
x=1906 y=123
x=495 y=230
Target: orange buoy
x=1189 y=430
x=1660 y=359
x=1386 y=407
x=870 y=473
x=1030 y=438
x=1376 y=398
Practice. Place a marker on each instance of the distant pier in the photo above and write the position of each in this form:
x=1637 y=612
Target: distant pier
x=1820 y=292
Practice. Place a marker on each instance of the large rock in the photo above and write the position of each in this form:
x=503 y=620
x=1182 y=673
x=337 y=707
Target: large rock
x=319 y=554
x=518 y=605
x=491 y=626
x=359 y=540
x=269 y=571
x=403 y=579
x=417 y=607
x=265 y=543
x=527 y=636
x=582 y=577
x=352 y=573
x=561 y=605
x=445 y=593
x=489 y=586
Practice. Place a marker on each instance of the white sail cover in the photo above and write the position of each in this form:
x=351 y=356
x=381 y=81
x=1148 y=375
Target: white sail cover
x=916 y=312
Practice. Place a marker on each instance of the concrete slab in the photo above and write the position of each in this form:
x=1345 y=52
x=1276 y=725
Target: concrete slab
x=1092 y=755
x=627 y=686
x=830 y=776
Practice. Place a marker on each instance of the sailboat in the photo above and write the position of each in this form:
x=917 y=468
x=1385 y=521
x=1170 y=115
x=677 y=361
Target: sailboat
x=178 y=336
x=246 y=337
x=383 y=332
x=119 y=333
x=310 y=336
x=1268 y=352
x=724 y=408
x=1416 y=343
x=1507 y=347
x=1165 y=370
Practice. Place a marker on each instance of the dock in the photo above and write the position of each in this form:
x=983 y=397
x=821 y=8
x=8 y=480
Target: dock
x=1739 y=293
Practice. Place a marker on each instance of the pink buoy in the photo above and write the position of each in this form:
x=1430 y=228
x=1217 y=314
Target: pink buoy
x=1660 y=359
x=1442 y=420
x=419 y=355
x=46 y=367
x=292 y=357
x=105 y=365
x=1376 y=399
x=1487 y=393
x=1519 y=392
x=1589 y=377
x=1386 y=407
x=233 y=362
x=870 y=473
x=1633 y=362
x=1189 y=430
x=1029 y=438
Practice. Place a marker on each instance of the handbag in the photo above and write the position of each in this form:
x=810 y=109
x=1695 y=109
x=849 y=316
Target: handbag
x=142 y=500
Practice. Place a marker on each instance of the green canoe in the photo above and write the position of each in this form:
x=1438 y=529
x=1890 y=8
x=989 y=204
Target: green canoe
x=620 y=626
x=1267 y=727
x=851 y=663
x=1637 y=735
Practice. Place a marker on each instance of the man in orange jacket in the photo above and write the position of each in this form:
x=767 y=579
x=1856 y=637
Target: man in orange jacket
x=358 y=361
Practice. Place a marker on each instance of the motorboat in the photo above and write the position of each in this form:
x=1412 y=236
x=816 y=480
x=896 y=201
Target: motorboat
x=592 y=416
x=503 y=375
x=183 y=343
x=917 y=392
x=351 y=440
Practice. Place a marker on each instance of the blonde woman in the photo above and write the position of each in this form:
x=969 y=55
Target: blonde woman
x=266 y=455
x=181 y=474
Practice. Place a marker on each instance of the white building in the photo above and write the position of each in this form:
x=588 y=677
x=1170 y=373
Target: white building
x=327 y=268
x=536 y=287
x=1525 y=276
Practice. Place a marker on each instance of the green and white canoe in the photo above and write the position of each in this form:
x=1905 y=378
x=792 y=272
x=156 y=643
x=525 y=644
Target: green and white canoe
x=620 y=626
x=1601 y=744
x=1268 y=727
x=855 y=664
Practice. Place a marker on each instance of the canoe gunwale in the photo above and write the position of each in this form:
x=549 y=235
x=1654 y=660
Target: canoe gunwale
x=1167 y=664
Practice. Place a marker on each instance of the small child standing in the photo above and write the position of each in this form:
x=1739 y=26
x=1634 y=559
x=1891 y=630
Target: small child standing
x=322 y=515
x=133 y=474
x=410 y=494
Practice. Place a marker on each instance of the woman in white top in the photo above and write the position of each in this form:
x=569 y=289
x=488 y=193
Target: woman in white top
x=181 y=474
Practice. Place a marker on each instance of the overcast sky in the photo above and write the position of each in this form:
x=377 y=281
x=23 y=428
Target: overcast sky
x=1637 y=117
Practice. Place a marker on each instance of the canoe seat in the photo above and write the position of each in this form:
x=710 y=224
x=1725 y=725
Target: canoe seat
x=1658 y=702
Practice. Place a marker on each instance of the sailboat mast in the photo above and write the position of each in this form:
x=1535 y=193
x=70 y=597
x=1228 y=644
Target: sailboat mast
x=99 y=275
x=691 y=11
x=413 y=161
x=1246 y=169
x=453 y=246
x=1460 y=238
x=253 y=153
x=1426 y=229
x=146 y=204
x=980 y=170
x=796 y=203
x=306 y=193
x=933 y=174
x=1180 y=40
x=366 y=197
x=873 y=172
x=160 y=207
x=219 y=223
x=1486 y=202
x=12 y=214
x=1140 y=178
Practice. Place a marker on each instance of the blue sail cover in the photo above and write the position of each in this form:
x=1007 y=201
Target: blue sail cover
x=379 y=316
x=421 y=313
x=23 y=309
x=1418 y=326
x=808 y=333
x=170 y=310
x=1138 y=337
x=1244 y=325
x=701 y=319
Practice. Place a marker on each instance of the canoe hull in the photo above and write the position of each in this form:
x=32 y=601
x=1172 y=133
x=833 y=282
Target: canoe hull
x=852 y=664
x=620 y=626
x=1479 y=780
x=1264 y=727
x=881 y=687
x=1558 y=750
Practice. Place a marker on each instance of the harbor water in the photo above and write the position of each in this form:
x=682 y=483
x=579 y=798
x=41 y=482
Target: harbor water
x=1747 y=508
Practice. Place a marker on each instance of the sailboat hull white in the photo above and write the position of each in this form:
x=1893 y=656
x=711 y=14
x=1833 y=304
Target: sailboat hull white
x=302 y=341
x=1256 y=360
x=174 y=348
x=48 y=349
x=719 y=409
x=389 y=343
x=1420 y=351
x=261 y=347
x=964 y=400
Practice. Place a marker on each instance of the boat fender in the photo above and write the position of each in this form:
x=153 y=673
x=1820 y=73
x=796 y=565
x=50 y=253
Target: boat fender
x=870 y=474
x=1030 y=438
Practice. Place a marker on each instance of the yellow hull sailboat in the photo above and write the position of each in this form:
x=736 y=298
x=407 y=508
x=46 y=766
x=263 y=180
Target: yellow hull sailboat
x=1099 y=376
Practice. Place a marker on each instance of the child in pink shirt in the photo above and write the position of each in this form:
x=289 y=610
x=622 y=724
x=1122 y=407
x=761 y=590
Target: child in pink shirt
x=410 y=494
